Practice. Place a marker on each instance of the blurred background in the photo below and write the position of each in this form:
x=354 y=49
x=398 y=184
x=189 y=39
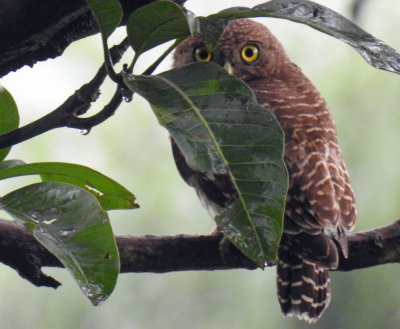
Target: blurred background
x=134 y=150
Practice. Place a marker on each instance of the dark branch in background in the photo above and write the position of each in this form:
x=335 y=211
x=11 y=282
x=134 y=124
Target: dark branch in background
x=67 y=115
x=160 y=254
x=20 y=250
x=32 y=31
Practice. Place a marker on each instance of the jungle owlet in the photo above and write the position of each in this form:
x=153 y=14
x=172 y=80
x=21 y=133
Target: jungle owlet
x=320 y=204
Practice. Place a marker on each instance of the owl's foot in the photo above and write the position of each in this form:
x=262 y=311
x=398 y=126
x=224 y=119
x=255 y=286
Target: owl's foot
x=224 y=244
x=224 y=247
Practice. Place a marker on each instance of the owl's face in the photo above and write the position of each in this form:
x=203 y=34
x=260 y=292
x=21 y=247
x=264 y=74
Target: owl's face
x=246 y=49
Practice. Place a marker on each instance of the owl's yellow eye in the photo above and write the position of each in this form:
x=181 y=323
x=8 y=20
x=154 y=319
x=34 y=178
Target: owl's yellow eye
x=249 y=53
x=202 y=54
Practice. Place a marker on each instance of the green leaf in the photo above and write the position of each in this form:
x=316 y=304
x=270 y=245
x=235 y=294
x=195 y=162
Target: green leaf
x=219 y=126
x=10 y=163
x=108 y=14
x=9 y=118
x=374 y=51
x=211 y=30
x=70 y=223
x=108 y=192
x=155 y=24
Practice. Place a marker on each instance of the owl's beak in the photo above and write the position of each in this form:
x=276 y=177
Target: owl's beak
x=228 y=67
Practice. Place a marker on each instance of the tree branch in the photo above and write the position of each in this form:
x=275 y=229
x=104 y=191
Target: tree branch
x=160 y=254
x=32 y=31
x=67 y=114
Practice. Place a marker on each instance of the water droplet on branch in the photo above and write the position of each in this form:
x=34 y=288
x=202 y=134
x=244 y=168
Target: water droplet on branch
x=85 y=131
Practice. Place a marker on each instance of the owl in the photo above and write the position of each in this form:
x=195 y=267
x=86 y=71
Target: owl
x=320 y=205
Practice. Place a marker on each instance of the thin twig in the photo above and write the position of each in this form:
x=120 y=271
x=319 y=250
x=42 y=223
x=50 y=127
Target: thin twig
x=153 y=66
x=108 y=110
x=77 y=104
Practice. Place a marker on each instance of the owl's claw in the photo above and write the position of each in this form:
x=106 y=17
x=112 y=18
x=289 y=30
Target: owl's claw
x=224 y=244
x=224 y=247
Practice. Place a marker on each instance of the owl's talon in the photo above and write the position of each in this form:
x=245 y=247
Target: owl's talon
x=224 y=244
x=224 y=247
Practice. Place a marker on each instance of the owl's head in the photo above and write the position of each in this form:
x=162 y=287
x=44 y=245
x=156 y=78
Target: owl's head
x=246 y=49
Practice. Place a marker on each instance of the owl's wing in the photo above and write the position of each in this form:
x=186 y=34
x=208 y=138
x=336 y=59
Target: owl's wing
x=320 y=198
x=216 y=192
x=320 y=202
x=319 y=179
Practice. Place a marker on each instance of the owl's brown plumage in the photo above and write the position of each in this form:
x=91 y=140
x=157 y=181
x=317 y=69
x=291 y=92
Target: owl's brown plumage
x=320 y=204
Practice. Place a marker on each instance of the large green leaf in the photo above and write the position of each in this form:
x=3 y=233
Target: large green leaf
x=218 y=124
x=108 y=14
x=373 y=50
x=108 y=192
x=156 y=23
x=9 y=118
x=70 y=223
x=211 y=29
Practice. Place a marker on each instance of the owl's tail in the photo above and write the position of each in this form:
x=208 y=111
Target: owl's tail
x=303 y=287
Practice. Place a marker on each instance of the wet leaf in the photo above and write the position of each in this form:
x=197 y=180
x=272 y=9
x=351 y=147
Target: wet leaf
x=373 y=50
x=218 y=124
x=155 y=24
x=108 y=14
x=211 y=29
x=108 y=192
x=10 y=163
x=70 y=223
x=9 y=118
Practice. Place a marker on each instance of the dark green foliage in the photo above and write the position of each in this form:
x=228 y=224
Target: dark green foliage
x=9 y=118
x=220 y=127
x=70 y=223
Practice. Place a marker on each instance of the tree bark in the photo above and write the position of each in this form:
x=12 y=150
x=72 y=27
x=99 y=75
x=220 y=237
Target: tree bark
x=160 y=254
x=32 y=31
